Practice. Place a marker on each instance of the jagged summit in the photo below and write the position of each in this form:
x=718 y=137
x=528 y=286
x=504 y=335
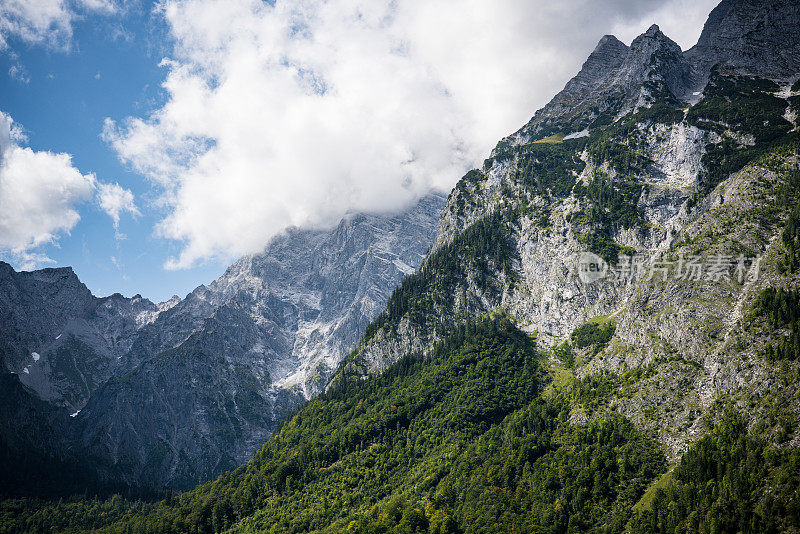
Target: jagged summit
x=608 y=55
x=653 y=30
x=257 y=341
x=753 y=37
x=652 y=35
x=263 y=337
x=608 y=45
x=614 y=79
x=750 y=37
x=671 y=182
x=656 y=61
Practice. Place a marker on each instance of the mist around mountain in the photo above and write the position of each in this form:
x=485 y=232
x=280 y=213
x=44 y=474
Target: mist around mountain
x=155 y=396
x=602 y=338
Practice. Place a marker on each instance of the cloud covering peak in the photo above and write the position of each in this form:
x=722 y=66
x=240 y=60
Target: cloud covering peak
x=295 y=112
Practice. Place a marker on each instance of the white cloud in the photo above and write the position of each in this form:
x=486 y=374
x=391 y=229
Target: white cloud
x=294 y=113
x=115 y=200
x=41 y=21
x=19 y=73
x=40 y=193
x=46 y=22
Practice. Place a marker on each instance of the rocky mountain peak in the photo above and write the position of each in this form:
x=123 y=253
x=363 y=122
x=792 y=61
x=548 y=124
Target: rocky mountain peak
x=261 y=339
x=656 y=59
x=750 y=37
x=610 y=42
x=614 y=79
x=692 y=181
x=607 y=56
x=652 y=40
x=55 y=275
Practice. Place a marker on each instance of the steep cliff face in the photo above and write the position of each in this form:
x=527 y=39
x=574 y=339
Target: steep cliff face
x=753 y=37
x=668 y=179
x=171 y=394
x=32 y=453
x=58 y=338
x=615 y=80
x=649 y=199
x=189 y=414
x=209 y=379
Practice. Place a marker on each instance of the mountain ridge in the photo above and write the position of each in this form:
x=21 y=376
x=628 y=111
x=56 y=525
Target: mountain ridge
x=603 y=336
x=264 y=336
x=638 y=185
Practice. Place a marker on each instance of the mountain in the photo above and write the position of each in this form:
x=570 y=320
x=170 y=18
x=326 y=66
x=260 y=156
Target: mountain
x=309 y=295
x=61 y=340
x=644 y=185
x=642 y=227
x=235 y=357
x=173 y=394
x=754 y=38
x=36 y=463
x=615 y=80
x=603 y=337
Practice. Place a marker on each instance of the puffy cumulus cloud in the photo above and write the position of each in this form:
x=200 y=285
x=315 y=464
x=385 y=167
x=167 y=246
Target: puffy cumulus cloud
x=47 y=22
x=40 y=193
x=116 y=200
x=294 y=112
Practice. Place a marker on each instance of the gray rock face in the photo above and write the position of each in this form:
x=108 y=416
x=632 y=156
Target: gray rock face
x=613 y=81
x=749 y=37
x=172 y=394
x=753 y=37
x=58 y=338
x=206 y=382
x=189 y=414
x=689 y=337
x=655 y=62
x=582 y=94
x=309 y=295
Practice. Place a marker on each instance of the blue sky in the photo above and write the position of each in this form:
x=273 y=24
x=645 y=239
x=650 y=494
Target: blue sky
x=112 y=70
x=212 y=125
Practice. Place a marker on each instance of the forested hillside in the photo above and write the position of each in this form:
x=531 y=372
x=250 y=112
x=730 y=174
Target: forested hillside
x=502 y=390
x=475 y=437
x=467 y=438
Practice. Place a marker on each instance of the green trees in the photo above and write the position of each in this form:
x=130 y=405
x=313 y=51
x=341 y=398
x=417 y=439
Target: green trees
x=729 y=481
x=548 y=170
x=458 y=441
x=593 y=334
x=426 y=297
x=746 y=106
x=781 y=309
x=791 y=242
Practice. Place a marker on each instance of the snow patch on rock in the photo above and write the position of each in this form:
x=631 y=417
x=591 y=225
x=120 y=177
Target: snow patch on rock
x=577 y=135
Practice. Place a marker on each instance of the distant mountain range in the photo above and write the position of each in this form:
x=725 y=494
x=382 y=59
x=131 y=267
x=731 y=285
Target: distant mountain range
x=172 y=394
